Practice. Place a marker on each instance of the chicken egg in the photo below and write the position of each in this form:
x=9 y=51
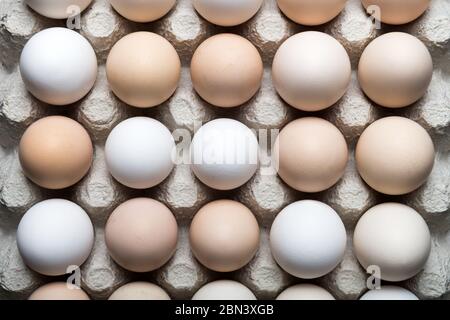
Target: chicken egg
x=226 y=70
x=227 y=13
x=311 y=71
x=58 y=9
x=58 y=291
x=311 y=12
x=58 y=66
x=393 y=237
x=389 y=293
x=142 y=10
x=397 y=11
x=305 y=291
x=139 y=290
x=224 y=290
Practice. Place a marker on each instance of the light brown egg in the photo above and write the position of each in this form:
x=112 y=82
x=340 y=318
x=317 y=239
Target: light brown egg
x=226 y=70
x=141 y=234
x=139 y=290
x=311 y=12
x=398 y=11
x=55 y=152
x=224 y=235
x=312 y=154
x=394 y=155
x=58 y=291
x=143 y=69
x=395 y=70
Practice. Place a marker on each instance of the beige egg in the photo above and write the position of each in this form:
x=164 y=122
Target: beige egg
x=226 y=70
x=395 y=70
x=143 y=69
x=224 y=235
x=305 y=291
x=58 y=291
x=139 y=290
x=55 y=152
x=142 y=10
x=394 y=155
x=393 y=237
x=311 y=12
x=141 y=234
x=311 y=154
x=397 y=11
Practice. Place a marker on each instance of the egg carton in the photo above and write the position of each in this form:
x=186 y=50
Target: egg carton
x=98 y=193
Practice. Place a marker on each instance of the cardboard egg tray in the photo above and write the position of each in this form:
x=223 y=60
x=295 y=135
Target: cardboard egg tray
x=98 y=193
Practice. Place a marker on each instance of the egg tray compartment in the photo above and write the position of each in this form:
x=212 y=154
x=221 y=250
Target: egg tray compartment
x=98 y=193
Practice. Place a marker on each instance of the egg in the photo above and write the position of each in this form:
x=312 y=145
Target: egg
x=308 y=239
x=394 y=155
x=224 y=290
x=395 y=70
x=305 y=291
x=139 y=290
x=60 y=9
x=389 y=293
x=224 y=154
x=55 y=152
x=54 y=235
x=398 y=11
x=58 y=291
x=311 y=154
x=143 y=69
x=138 y=152
x=227 y=13
x=141 y=234
x=393 y=237
x=58 y=66
x=226 y=70
x=142 y=10
x=311 y=71
x=311 y=12
x=224 y=235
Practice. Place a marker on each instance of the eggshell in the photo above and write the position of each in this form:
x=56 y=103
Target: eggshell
x=141 y=234
x=311 y=12
x=58 y=66
x=143 y=69
x=53 y=235
x=394 y=155
x=139 y=290
x=224 y=235
x=142 y=10
x=311 y=154
x=226 y=70
x=395 y=70
x=398 y=11
x=389 y=293
x=138 y=152
x=224 y=290
x=55 y=152
x=224 y=154
x=311 y=71
x=58 y=9
x=308 y=239
x=225 y=12
x=393 y=237
x=305 y=292
x=58 y=291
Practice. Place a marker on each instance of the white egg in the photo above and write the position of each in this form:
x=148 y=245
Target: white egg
x=58 y=66
x=308 y=239
x=305 y=291
x=224 y=154
x=224 y=290
x=227 y=13
x=58 y=9
x=54 y=235
x=142 y=10
x=389 y=293
x=139 y=151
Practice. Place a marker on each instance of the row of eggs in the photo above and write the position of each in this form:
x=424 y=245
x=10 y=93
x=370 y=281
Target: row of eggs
x=231 y=13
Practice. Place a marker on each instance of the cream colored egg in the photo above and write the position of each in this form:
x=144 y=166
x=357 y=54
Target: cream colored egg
x=142 y=10
x=227 y=13
x=58 y=9
x=139 y=290
x=397 y=11
x=311 y=12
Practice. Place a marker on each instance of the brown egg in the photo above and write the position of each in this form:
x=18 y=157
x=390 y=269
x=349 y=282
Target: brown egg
x=139 y=290
x=143 y=69
x=226 y=70
x=311 y=12
x=55 y=152
x=58 y=291
x=141 y=234
x=398 y=11
x=312 y=154
x=394 y=155
x=224 y=235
